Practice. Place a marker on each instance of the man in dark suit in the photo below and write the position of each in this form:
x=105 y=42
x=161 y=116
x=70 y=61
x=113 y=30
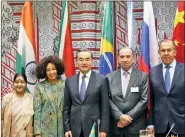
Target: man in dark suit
x=85 y=99
x=128 y=97
x=167 y=93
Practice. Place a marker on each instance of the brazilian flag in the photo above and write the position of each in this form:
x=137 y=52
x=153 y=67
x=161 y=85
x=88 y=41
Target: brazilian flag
x=106 y=48
x=93 y=129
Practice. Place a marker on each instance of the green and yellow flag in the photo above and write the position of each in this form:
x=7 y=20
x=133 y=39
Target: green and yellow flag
x=106 y=48
x=92 y=134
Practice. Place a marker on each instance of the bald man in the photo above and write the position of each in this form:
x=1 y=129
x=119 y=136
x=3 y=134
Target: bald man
x=128 y=97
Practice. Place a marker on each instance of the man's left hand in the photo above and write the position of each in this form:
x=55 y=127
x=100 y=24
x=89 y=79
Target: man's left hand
x=102 y=134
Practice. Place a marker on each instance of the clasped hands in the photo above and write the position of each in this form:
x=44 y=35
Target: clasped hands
x=124 y=120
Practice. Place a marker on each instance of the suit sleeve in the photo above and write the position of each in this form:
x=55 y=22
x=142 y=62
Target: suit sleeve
x=150 y=118
x=67 y=107
x=142 y=103
x=37 y=105
x=105 y=111
x=115 y=112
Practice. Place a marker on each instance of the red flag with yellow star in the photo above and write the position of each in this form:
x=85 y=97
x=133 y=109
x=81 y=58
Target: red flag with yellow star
x=178 y=32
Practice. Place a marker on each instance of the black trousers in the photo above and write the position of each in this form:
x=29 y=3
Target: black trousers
x=81 y=134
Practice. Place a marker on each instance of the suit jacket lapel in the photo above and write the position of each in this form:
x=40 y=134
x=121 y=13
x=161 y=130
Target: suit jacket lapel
x=50 y=95
x=118 y=82
x=175 y=75
x=161 y=79
x=133 y=77
x=91 y=84
x=76 y=88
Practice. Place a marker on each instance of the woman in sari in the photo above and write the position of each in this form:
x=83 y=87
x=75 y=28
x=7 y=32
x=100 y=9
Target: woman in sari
x=17 y=110
x=49 y=98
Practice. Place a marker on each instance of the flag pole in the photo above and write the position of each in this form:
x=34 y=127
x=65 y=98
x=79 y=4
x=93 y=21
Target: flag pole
x=114 y=35
x=98 y=127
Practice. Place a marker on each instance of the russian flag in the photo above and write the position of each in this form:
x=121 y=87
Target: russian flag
x=149 y=56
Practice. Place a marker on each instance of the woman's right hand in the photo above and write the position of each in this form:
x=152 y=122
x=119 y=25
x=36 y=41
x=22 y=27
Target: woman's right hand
x=38 y=136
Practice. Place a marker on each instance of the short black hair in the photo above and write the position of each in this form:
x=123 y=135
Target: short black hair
x=20 y=74
x=83 y=50
x=41 y=66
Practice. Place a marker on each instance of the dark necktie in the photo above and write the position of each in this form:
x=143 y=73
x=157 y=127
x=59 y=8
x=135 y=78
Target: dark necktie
x=83 y=88
x=167 y=79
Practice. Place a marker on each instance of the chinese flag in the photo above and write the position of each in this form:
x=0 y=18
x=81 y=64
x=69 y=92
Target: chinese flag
x=178 y=32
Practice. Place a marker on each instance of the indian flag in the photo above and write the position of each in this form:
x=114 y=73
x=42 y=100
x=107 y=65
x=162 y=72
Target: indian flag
x=65 y=50
x=26 y=52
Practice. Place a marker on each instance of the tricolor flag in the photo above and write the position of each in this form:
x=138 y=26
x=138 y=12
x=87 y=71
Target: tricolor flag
x=149 y=56
x=178 y=32
x=106 y=48
x=65 y=50
x=26 y=52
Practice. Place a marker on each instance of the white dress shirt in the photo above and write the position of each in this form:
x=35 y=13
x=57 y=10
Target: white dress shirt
x=86 y=79
x=123 y=79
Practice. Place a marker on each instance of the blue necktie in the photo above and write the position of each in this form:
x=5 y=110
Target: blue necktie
x=167 y=79
x=83 y=88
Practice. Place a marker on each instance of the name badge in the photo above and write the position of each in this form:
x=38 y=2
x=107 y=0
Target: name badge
x=134 y=89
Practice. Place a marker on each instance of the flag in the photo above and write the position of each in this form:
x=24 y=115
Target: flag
x=26 y=52
x=139 y=36
x=93 y=129
x=130 y=20
x=165 y=36
x=65 y=50
x=149 y=48
x=38 y=47
x=106 y=47
x=178 y=32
